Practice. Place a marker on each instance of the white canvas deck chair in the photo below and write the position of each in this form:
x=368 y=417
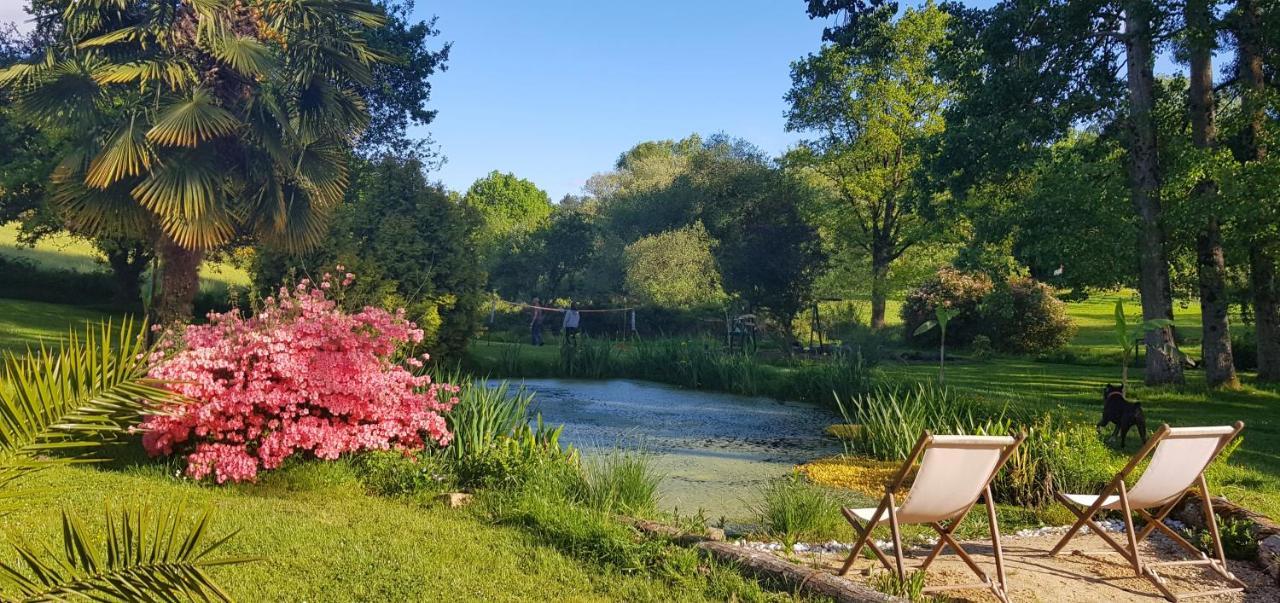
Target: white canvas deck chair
x=954 y=472
x=1180 y=458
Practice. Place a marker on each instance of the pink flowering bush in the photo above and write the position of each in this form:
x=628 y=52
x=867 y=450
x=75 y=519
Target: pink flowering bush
x=301 y=377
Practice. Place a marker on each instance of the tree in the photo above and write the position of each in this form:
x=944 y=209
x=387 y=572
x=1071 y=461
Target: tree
x=1258 y=169
x=870 y=103
x=511 y=208
x=1026 y=73
x=409 y=245
x=1219 y=363
x=674 y=269
x=204 y=120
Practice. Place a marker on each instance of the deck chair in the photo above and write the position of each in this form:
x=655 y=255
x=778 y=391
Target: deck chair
x=1178 y=462
x=954 y=472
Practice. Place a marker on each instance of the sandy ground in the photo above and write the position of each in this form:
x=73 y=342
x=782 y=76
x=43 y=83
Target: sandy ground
x=1071 y=577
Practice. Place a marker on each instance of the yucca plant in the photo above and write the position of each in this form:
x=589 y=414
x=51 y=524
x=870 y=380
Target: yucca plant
x=57 y=407
x=202 y=120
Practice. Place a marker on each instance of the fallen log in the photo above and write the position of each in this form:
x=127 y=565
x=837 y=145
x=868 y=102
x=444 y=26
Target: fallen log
x=768 y=566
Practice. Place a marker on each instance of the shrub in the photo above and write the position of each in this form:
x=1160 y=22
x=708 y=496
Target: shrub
x=484 y=416
x=981 y=349
x=950 y=288
x=1023 y=316
x=791 y=509
x=24 y=279
x=390 y=473
x=1237 y=535
x=1244 y=349
x=300 y=377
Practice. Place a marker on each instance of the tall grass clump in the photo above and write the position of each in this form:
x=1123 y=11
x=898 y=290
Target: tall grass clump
x=892 y=419
x=484 y=416
x=791 y=509
x=622 y=481
x=845 y=376
x=588 y=358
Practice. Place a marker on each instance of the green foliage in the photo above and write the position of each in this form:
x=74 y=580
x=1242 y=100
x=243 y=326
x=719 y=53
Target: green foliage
x=959 y=292
x=674 y=269
x=623 y=482
x=484 y=417
x=1238 y=538
x=1025 y=317
x=911 y=588
x=791 y=509
x=393 y=473
x=409 y=245
x=24 y=279
x=511 y=209
x=980 y=349
x=892 y=419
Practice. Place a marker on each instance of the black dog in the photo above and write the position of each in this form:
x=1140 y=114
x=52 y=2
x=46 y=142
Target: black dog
x=1123 y=413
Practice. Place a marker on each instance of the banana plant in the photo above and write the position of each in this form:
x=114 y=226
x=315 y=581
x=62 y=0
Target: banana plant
x=942 y=316
x=1127 y=336
x=57 y=407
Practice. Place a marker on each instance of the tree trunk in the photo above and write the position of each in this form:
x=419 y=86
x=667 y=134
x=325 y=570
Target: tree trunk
x=1262 y=262
x=1163 y=364
x=879 y=287
x=1266 y=310
x=179 y=280
x=128 y=262
x=1216 y=354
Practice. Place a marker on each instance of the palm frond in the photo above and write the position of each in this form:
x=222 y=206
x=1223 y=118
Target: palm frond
x=189 y=122
x=69 y=399
x=246 y=55
x=92 y=211
x=127 y=154
x=145 y=557
x=176 y=74
x=132 y=34
x=64 y=95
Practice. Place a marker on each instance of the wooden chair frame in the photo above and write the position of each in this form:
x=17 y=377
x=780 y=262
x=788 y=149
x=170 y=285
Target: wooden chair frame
x=888 y=504
x=1155 y=522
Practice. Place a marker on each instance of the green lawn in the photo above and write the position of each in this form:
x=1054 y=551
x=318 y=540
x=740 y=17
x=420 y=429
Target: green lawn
x=320 y=537
x=63 y=251
x=26 y=324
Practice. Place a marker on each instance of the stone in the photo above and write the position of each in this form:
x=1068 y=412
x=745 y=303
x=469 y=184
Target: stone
x=1269 y=555
x=454 y=500
x=715 y=534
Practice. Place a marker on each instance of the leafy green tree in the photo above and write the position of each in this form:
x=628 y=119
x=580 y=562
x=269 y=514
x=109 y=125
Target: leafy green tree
x=205 y=120
x=674 y=269
x=512 y=209
x=870 y=103
x=410 y=246
x=1027 y=72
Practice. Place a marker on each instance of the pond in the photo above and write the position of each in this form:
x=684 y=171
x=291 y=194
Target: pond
x=714 y=450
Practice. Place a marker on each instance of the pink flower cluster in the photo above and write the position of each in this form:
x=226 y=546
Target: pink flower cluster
x=299 y=377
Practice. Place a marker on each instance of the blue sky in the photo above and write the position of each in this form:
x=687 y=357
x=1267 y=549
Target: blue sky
x=555 y=90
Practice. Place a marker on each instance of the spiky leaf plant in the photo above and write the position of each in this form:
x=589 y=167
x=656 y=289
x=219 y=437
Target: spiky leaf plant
x=58 y=406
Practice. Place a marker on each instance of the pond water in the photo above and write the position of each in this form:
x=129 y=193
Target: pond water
x=714 y=450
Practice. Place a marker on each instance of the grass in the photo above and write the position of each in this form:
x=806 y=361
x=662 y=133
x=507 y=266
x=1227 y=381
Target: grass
x=25 y=324
x=321 y=537
x=73 y=253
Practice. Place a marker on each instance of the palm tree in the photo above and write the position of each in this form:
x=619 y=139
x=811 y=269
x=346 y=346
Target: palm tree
x=55 y=408
x=201 y=122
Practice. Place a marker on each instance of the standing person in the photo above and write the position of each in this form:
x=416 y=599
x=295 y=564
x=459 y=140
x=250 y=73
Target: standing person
x=571 y=319
x=535 y=326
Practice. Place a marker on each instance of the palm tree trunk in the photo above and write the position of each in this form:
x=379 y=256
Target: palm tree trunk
x=1163 y=365
x=1216 y=353
x=179 y=280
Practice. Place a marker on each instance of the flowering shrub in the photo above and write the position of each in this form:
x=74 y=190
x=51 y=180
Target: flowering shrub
x=299 y=377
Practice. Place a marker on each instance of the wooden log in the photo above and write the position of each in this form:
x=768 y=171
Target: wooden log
x=768 y=566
